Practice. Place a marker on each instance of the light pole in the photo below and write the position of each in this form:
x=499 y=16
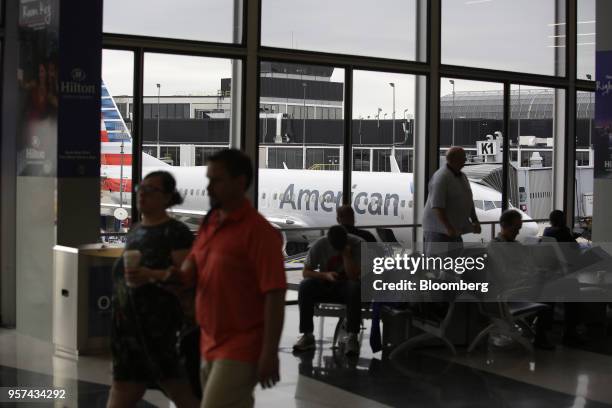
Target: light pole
x=518 y=138
x=452 y=82
x=378 y=124
x=304 y=85
x=158 y=93
x=393 y=120
x=121 y=175
x=360 y=119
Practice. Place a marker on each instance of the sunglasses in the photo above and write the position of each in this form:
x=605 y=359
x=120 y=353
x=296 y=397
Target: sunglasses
x=144 y=189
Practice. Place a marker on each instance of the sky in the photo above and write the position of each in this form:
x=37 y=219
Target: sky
x=516 y=35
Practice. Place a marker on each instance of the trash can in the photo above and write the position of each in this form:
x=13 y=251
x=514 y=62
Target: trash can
x=82 y=290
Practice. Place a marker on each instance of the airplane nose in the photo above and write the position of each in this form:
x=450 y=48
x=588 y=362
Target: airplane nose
x=529 y=229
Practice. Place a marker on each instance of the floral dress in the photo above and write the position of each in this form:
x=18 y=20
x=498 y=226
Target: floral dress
x=147 y=319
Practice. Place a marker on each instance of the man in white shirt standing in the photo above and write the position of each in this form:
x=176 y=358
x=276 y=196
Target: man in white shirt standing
x=449 y=210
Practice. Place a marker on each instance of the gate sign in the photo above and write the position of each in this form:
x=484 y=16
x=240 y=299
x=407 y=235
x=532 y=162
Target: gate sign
x=486 y=148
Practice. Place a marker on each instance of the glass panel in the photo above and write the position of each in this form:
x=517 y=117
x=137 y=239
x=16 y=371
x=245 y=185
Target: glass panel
x=586 y=40
x=203 y=153
x=175 y=139
x=533 y=135
x=211 y=20
x=384 y=29
x=203 y=86
x=116 y=145
x=472 y=114
x=585 y=115
x=513 y=35
x=383 y=141
x=300 y=156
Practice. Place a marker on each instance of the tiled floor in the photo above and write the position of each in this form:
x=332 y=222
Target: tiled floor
x=324 y=378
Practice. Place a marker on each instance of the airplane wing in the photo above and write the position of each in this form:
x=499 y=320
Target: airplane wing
x=286 y=222
x=280 y=221
x=181 y=212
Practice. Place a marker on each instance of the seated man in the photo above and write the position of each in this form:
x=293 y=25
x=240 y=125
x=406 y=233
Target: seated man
x=511 y=267
x=558 y=228
x=346 y=217
x=331 y=274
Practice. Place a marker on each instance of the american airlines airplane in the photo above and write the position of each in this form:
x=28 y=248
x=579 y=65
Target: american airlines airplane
x=289 y=199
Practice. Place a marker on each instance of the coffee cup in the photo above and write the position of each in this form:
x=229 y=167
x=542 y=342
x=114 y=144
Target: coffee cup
x=131 y=260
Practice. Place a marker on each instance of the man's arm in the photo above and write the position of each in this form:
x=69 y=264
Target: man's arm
x=274 y=314
x=142 y=275
x=475 y=222
x=352 y=268
x=441 y=214
x=308 y=272
x=312 y=261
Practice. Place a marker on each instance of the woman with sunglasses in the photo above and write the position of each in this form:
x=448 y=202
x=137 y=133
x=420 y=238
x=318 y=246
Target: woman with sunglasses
x=147 y=315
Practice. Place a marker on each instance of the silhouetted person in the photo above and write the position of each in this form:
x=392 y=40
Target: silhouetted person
x=558 y=228
x=346 y=217
x=331 y=274
x=449 y=210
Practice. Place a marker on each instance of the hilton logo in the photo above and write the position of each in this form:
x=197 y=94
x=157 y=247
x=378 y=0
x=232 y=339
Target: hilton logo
x=76 y=86
x=78 y=75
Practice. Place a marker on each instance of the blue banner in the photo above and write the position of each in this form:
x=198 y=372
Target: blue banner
x=79 y=88
x=603 y=115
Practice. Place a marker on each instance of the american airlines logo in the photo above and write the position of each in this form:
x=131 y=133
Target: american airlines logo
x=362 y=202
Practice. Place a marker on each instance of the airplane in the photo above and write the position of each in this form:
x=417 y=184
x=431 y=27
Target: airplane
x=300 y=203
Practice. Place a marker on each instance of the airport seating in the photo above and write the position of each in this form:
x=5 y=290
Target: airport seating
x=323 y=310
x=432 y=327
x=506 y=318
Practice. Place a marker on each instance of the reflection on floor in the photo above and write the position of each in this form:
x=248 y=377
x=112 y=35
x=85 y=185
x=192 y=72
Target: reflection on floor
x=326 y=378
x=78 y=393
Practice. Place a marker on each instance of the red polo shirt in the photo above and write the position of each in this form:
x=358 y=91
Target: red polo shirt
x=238 y=262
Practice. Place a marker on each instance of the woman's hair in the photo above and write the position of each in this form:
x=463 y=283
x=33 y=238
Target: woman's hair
x=169 y=186
x=557 y=218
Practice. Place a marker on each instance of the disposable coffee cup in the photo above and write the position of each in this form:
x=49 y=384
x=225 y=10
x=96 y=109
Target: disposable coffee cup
x=131 y=260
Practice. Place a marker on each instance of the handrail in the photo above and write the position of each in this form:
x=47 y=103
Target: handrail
x=493 y=223
x=392 y=226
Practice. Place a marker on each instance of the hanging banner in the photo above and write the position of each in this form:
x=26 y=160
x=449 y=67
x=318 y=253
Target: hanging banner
x=80 y=68
x=37 y=76
x=603 y=108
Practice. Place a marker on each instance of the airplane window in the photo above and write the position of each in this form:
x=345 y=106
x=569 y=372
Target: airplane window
x=192 y=191
x=263 y=196
x=478 y=204
x=489 y=205
x=275 y=196
x=403 y=203
x=410 y=204
x=498 y=204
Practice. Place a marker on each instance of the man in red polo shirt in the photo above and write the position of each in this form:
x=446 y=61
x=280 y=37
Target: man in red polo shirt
x=237 y=266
